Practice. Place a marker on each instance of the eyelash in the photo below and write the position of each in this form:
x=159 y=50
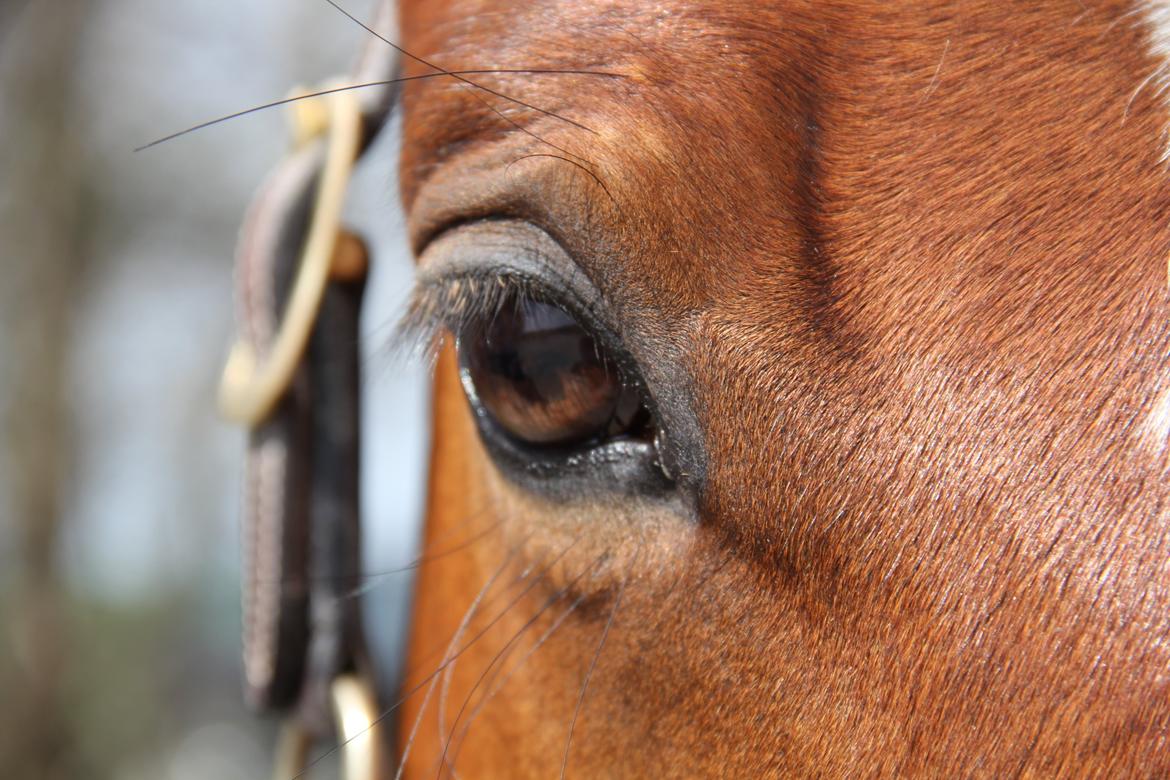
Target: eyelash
x=459 y=304
x=464 y=304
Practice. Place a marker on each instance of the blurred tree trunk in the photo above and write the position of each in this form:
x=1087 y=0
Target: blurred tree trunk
x=39 y=261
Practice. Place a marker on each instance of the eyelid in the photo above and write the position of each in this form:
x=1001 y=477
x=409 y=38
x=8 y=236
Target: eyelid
x=458 y=302
x=467 y=272
x=512 y=242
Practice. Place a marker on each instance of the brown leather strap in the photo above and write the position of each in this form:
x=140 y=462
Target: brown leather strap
x=378 y=61
x=336 y=643
x=302 y=629
x=276 y=521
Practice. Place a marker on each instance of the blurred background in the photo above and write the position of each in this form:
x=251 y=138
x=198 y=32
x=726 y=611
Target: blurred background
x=119 y=487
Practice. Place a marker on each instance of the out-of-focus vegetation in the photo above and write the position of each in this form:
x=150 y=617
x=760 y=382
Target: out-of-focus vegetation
x=119 y=603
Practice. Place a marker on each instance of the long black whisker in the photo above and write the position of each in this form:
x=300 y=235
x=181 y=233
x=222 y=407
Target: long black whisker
x=415 y=563
x=529 y=133
x=596 y=656
x=496 y=687
x=433 y=651
x=666 y=607
x=479 y=635
x=524 y=628
x=363 y=85
x=593 y=175
x=420 y=561
x=453 y=74
x=471 y=610
x=665 y=602
x=375 y=577
x=483 y=101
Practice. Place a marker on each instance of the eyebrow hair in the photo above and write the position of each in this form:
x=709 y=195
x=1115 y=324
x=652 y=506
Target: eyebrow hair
x=395 y=99
x=452 y=74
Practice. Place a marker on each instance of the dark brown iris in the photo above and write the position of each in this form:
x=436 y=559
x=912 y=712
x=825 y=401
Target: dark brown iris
x=544 y=378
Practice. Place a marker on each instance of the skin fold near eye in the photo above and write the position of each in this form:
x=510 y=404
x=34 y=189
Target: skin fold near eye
x=544 y=379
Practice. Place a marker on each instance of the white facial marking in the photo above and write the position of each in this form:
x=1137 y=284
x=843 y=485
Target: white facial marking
x=1157 y=17
x=1156 y=429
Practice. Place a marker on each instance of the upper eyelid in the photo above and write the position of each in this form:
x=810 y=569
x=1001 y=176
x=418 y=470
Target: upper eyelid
x=467 y=272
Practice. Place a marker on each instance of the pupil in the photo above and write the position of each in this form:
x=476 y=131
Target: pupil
x=541 y=375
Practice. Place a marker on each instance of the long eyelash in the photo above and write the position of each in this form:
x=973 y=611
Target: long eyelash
x=456 y=304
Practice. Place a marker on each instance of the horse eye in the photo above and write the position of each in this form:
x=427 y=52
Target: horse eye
x=545 y=380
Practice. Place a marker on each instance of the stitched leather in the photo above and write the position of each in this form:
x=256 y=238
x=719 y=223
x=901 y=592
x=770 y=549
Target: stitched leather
x=301 y=525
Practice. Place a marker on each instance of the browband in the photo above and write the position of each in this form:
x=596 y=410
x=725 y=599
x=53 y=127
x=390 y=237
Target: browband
x=293 y=381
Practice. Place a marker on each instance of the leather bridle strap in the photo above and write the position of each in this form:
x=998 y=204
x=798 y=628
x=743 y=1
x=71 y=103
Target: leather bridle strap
x=293 y=380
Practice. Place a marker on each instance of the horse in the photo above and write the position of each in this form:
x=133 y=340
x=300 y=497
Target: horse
x=802 y=398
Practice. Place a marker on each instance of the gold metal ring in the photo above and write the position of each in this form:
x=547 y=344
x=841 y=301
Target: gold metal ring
x=356 y=721
x=355 y=709
x=252 y=385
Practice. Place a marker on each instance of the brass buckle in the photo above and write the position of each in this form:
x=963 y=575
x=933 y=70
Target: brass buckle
x=252 y=385
x=356 y=718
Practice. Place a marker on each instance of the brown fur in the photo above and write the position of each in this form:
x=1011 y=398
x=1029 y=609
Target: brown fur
x=911 y=258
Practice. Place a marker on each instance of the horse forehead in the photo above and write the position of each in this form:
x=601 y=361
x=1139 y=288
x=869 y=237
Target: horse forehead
x=878 y=107
x=841 y=151
x=797 y=175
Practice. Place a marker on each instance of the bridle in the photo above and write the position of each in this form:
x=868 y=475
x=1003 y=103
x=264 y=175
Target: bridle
x=293 y=381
